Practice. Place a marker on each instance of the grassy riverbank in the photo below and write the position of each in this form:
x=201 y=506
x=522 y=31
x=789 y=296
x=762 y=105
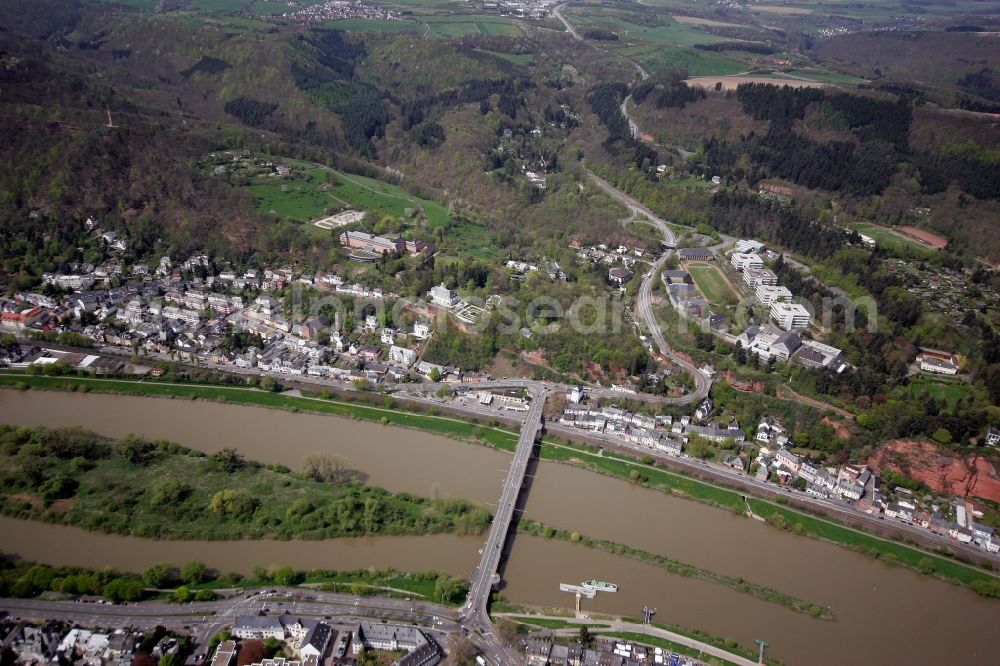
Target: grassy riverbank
x=161 y=490
x=590 y=457
x=196 y=582
x=680 y=568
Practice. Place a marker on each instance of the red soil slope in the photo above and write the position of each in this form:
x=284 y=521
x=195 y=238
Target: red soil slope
x=945 y=471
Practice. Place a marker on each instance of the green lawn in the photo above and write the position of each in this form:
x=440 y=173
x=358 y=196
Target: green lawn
x=308 y=193
x=553 y=624
x=890 y=239
x=696 y=63
x=457 y=25
x=516 y=58
x=671 y=33
x=712 y=284
x=950 y=390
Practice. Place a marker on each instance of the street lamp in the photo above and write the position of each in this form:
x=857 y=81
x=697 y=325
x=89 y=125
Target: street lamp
x=763 y=644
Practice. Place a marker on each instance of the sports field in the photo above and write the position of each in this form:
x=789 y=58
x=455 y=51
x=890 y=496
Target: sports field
x=891 y=239
x=712 y=284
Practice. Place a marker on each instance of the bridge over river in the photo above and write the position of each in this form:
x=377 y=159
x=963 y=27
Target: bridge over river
x=487 y=575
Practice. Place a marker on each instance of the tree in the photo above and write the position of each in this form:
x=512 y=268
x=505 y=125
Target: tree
x=182 y=594
x=284 y=575
x=159 y=575
x=136 y=450
x=323 y=467
x=233 y=502
x=229 y=459
x=171 y=659
x=585 y=638
x=448 y=589
x=123 y=589
x=267 y=383
x=194 y=572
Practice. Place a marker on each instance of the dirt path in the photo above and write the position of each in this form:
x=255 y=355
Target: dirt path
x=789 y=394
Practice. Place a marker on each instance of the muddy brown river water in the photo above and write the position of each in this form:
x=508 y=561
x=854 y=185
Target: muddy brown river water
x=884 y=615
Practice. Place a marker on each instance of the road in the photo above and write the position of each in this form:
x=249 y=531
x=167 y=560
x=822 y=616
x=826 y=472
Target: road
x=644 y=301
x=650 y=630
x=557 y=12
x=204 y=619
x=475 y=613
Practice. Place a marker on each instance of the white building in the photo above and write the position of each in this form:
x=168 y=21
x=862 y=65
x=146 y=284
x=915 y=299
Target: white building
x=443 y=296
x=388 y=336
x=744 y=246
x=937 y=365
x=756 y=276
x=769 y=293
x=790 y=315
x=421 y=330
x=402 y=355
x=742 y=261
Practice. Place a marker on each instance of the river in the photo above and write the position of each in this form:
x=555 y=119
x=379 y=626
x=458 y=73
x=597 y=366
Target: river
x=884 y=615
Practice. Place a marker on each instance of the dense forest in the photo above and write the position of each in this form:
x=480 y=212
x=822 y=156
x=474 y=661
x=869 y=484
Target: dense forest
x=861 y=167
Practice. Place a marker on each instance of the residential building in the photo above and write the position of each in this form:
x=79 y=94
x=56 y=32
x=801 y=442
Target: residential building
x=443 y=296
x=258 y=627
x=403 y=356
x=421 y=330
x=225 y=654
x=788 y=460
x=620 y=275
x=938 y=365
x=790 y=315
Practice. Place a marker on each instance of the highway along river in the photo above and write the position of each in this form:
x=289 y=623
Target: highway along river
x=883 y=615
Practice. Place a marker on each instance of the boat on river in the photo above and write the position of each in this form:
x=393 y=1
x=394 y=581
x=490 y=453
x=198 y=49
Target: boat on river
x=600 y=585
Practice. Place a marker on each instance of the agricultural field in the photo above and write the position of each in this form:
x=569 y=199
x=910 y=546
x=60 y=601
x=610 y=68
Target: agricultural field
x=313 y=189
x=373 y=25
x=515 y=58
x=457 y=25
x=712 y=284
x=696 y=63
x=671 y=33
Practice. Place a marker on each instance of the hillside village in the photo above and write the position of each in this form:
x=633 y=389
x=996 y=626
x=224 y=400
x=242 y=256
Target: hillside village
x=244 y=321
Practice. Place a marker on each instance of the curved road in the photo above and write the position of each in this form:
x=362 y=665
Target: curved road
x=644 y=301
